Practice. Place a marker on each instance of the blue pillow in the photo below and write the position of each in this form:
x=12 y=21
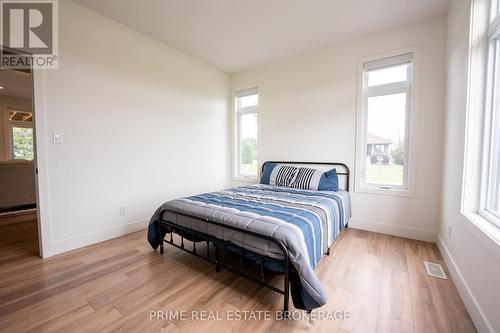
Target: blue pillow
x=266 y=173
x=329 y=181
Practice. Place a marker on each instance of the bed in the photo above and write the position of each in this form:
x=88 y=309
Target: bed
x=281 y=229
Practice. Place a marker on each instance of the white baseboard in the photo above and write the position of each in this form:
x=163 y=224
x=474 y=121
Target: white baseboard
x=475 y=311
x=393 y=229
x=98 y=236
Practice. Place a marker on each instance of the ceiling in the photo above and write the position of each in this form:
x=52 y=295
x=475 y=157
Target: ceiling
x=15 y=83
x=236 y=35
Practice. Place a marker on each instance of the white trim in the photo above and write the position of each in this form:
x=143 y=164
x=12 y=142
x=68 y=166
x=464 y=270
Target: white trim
x=393 y=229
x=246 y=91
x=491 y=216
x=246 y=180
x=388 y=61
x=381 y=191
x=42 y=183
x=474 y=121
x=492 y=80
x=475 y=311
x=494 y=29
x=485 y=232
x=98 y=236
x=495 y=6
x=388 y=88
x=476 y=171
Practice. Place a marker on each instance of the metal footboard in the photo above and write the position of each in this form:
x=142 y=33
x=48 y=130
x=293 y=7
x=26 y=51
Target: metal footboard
x=220 y=251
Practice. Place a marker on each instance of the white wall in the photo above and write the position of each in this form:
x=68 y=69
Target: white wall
x=308 y=112
x=474 y=267
x=142 y=123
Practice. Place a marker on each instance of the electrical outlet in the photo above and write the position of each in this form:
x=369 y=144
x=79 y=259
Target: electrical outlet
x=123 y=211
x=449 y=230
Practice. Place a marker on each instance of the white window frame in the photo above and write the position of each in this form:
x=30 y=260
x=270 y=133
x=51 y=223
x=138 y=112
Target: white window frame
x=9 y=125
x=409 y=86
x=478 y=107
x=491 y=112
x=237 y=146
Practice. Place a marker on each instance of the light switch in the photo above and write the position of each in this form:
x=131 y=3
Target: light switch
x=57 y=137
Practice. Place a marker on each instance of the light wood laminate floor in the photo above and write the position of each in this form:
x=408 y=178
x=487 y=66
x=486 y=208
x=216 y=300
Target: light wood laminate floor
x=112 y=287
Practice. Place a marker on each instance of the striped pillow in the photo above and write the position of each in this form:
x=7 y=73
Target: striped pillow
x=306 y=177
x=283 y=175
x=312 y=179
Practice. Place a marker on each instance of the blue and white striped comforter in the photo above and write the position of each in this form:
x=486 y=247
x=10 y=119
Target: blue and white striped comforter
x=306 y=222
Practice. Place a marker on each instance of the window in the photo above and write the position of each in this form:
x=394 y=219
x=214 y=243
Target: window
x=489 y=204
x=20 y=134
x=384 y=124
x=247 y=103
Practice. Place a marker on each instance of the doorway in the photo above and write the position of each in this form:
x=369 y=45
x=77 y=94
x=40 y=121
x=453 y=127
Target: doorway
x=18 y=194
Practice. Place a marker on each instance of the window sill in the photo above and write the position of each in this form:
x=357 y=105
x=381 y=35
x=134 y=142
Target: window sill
x=487 y=233
x=245 y=180
x=392 y=192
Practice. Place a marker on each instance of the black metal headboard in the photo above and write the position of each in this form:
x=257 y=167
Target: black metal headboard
x=344 y=172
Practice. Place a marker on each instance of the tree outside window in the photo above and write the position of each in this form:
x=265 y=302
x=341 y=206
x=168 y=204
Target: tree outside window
x=21 y=134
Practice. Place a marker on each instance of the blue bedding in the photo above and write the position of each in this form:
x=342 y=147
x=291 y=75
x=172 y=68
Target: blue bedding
x=307 y=222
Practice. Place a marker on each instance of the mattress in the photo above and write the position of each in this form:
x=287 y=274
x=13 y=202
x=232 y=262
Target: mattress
x=307 y=222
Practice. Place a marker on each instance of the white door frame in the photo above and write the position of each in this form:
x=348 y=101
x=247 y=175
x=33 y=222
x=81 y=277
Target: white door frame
x=41 y=163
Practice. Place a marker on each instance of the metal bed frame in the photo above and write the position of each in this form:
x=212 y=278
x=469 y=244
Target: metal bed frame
x=222 y=245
